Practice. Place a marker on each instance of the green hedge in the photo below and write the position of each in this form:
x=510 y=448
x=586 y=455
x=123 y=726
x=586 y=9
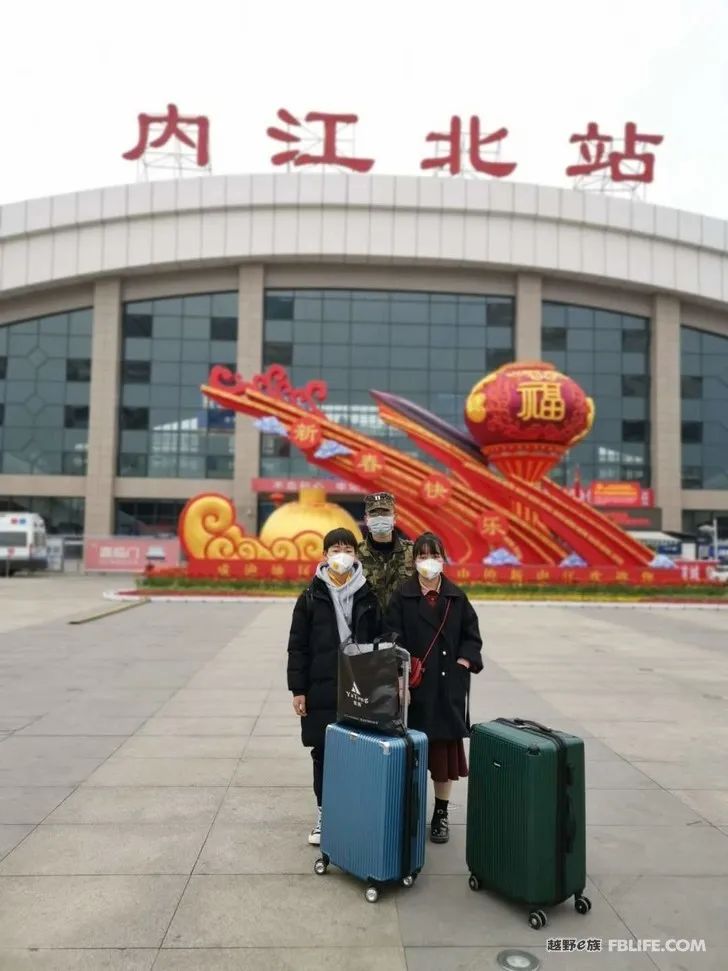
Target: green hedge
x=477 y=590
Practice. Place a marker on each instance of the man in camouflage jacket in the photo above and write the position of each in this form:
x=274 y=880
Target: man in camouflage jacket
x=385 y=556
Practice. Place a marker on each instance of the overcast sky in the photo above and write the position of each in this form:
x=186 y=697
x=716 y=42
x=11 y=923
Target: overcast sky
x=74 y=76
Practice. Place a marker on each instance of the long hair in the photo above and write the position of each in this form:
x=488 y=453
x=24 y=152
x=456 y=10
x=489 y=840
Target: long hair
x=428 y=545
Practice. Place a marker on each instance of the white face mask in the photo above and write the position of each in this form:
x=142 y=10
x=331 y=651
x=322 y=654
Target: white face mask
x=380 y=525
x=340 y=562
x=429 y=568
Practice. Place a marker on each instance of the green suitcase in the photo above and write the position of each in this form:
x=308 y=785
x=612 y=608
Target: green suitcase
x=526 y=834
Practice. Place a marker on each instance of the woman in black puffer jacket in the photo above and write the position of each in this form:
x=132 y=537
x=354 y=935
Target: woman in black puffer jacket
x=338 y=604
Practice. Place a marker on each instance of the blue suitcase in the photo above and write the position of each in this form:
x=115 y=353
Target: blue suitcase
x=374 y=806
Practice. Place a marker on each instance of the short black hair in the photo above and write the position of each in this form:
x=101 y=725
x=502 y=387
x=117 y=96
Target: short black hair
x=428 y=544
x=339 y=535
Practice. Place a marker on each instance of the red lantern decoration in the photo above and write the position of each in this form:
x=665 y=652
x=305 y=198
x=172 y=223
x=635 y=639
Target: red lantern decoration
x=369 y=463
x=306 y=434
x=435 y=490
x=526 y=416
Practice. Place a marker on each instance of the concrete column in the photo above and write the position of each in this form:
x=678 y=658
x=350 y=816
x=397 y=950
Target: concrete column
x=103 y=401
x=665 y=414
x=251 y=293
x=528 y=317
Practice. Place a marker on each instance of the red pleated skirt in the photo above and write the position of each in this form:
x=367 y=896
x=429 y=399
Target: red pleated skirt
x=447 y=760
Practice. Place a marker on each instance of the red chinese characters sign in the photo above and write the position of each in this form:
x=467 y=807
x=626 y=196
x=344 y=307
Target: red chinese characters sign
x=128 y=554
x=314 y=139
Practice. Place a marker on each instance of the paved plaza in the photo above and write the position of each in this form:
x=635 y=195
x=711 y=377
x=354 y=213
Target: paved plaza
x=155 y=798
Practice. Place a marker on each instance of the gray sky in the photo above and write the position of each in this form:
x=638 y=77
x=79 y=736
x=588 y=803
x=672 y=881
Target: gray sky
x=76 y=74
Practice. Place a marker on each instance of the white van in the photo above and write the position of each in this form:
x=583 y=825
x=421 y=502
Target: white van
x=22 y=543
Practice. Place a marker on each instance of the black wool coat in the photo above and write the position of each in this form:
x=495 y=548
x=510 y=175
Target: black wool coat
x=313 y=652
x=439 y=706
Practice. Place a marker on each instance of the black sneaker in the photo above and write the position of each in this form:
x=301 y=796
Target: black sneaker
x=439 y=829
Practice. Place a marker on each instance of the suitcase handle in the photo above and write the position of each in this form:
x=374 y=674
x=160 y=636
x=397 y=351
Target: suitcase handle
x=527 y=723
x=570 y=825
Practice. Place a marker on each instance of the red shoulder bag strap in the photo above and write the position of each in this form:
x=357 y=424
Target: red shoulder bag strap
x=439 y=631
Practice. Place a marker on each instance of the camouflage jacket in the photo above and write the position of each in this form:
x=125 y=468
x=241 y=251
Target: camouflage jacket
x=385 y=574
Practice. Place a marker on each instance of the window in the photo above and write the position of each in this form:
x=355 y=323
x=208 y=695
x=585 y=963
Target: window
x=76 y=416
x=554 y=339
x=691 y=387
x=635 y=385
x=279 y=306
x=134 y=418
x=62 y=515
x=634 y=340
x=166 y=427
x=427 y=347
x=704 y=386
x=634 y=431
x=224 y=328
x=692 y=432
x=607 y=353
x=137 y=325
x=136 y=372
x=44 y=394
x=78 y=369
x=148 y=517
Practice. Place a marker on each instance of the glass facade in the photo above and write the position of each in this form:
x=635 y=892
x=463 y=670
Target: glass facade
x=704 y=393
x=430 y=348
x=608 y=355
x=167 y=429
x=45 y=370
x=63 y=516
x=147 y=517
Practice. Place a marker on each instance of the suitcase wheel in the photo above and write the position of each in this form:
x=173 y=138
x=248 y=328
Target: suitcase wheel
x=474 y=882
x=537 y=919
x=409 y=881
x=372 y=894
x=321 y=866
x=582 y=904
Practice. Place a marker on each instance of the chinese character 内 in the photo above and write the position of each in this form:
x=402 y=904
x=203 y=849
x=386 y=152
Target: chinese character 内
x=329 y=154
x=541 y=401
x=476 y=141
x=596 y=158
x=174 y=127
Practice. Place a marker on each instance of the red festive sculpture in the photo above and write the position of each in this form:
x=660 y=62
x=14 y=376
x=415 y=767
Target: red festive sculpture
x=525 y=416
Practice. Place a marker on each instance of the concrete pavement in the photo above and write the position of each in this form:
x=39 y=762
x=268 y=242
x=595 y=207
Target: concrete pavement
x=155 y=798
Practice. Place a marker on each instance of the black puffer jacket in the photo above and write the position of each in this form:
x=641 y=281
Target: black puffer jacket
x=313 y=649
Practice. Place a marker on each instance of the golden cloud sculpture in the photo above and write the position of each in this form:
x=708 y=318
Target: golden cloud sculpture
x=208 y=529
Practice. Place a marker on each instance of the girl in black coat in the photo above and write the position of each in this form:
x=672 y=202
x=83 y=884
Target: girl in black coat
x=338 y=604
x=436 y=622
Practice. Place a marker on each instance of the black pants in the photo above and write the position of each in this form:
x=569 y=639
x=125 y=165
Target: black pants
x=317 y=754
